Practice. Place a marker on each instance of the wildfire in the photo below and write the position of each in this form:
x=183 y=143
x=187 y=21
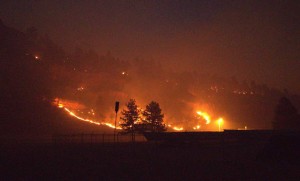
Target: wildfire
x=197 y=127
x=86 y=120
x=175 y=128
x=220 y=122
x=207 y=118
x=80 y=118
x=204 y=115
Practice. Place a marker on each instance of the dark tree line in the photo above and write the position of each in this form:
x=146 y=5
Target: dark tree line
x=136 y=120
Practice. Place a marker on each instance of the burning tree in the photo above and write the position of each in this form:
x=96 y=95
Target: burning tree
x=130 y=116
x=154 y=117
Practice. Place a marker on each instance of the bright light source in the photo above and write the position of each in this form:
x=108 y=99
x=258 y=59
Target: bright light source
x=197 y=127
x=205 y=116
x=80 y=88
x=220 y=122
x=177 y=128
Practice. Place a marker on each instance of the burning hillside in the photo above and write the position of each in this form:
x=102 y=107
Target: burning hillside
x=81 y=113
x=36 y=70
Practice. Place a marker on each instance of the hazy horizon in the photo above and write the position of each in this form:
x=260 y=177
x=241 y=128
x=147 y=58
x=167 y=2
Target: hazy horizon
x=251 y=40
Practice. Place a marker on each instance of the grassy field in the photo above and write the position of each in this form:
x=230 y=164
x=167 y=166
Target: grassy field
x=141 y=161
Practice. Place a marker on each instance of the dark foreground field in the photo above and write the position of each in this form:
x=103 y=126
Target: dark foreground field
x=143 y=161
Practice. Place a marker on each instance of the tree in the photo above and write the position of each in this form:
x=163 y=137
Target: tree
x=154 y=117
x=286 y=116
x=130 y=116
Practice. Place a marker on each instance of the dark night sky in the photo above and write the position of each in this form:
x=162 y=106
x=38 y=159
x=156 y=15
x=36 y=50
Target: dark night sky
x=254 y=40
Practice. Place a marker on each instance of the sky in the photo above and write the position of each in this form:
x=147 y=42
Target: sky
x=252 y=40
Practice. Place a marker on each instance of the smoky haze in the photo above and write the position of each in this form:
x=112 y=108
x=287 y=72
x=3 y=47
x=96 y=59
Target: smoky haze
x=231 y=59
x=97 y=81
x=254 y=40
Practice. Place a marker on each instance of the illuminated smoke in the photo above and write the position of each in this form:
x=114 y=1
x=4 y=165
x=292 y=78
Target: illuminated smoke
x=202 y=114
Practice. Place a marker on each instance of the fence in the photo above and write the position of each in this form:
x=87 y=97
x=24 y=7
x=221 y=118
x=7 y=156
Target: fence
x=98 y=138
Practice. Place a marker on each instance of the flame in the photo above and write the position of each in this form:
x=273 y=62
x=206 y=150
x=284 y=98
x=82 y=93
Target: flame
x=220 y=122
x=205 y=116
x=80 y=118
x=197 y=127
x=60 y=104
x=177 y=128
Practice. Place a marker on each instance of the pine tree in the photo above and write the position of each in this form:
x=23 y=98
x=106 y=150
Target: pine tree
x=129 y=117
x=154 y=117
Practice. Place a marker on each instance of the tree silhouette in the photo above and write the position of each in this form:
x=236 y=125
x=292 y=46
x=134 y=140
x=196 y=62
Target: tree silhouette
x=130 y=116
x=286 y=116
x=154 y=117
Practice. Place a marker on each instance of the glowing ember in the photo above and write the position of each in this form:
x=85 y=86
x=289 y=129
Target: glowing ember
x=197 y=127
x=177 y=128
x=80 y=88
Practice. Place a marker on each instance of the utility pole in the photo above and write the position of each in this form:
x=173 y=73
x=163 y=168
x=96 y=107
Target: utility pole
x=116 y=110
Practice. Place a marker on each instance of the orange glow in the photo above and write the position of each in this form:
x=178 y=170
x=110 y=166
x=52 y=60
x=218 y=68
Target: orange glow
x=197 y=127
x=68 y=105
x=220 y=122
x=80 y=88
x=205 y=116
x=177 y=128
x=80 y=118
x=60 y=105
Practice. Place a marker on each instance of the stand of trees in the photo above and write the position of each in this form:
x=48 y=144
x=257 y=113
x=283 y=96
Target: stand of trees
x=154 y=117
x=130 y=117
x=136 y=120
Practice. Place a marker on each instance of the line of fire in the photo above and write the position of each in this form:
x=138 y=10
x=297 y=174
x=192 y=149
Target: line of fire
x=178 y=133
x=203 y=117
